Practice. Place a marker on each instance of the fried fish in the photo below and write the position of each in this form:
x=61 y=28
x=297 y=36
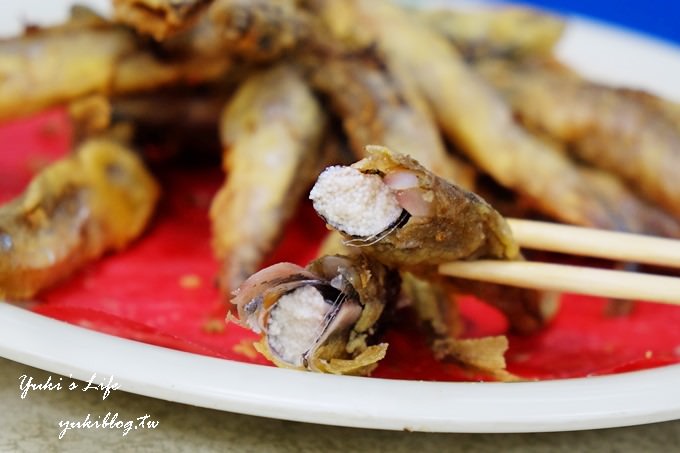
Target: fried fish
x=54 y=66
x=271 y=131
x=320 y=318
x=376 y=108
x=479 y=122
x=630 y=136
x=97 y=200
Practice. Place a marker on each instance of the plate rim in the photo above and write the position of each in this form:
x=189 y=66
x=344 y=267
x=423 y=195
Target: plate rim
x=623 y=399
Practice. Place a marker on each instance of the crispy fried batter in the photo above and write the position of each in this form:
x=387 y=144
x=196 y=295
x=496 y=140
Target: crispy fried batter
x=97 y=200
x=434 y=304
x=485 y=355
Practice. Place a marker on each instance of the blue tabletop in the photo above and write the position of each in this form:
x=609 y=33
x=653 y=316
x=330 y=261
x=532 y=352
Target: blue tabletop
x=658 y=18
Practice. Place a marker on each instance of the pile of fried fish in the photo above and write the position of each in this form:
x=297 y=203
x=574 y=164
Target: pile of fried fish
x=465 y=102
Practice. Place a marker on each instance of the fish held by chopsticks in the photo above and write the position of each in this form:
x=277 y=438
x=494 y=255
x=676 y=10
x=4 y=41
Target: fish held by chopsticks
x=402 y=214
x=389 y=207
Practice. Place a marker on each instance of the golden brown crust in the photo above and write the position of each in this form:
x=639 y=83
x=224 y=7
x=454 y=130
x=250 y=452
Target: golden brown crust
x=485 y=355
x=461 y=224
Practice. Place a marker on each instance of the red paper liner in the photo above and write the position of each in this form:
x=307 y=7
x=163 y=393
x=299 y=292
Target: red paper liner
x=161 y=289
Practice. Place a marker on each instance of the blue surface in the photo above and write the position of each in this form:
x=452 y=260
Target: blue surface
x=654 y=17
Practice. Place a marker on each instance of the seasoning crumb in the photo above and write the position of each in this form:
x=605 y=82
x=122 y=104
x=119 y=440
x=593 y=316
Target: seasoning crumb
x=648 y=354
x=214 y=325
x=190 y=281
x=246 y=348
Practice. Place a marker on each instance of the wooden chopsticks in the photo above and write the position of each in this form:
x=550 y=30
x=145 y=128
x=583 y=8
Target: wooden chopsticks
x=566 y=278
x=585 y=242
x=612 y=245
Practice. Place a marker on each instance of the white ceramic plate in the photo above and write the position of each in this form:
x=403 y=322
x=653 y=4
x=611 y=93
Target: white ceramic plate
x=619 y=400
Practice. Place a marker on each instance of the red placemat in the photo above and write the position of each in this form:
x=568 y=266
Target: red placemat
x=161 y=289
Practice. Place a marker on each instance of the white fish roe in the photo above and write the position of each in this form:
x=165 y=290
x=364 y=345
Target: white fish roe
x=296 y=322
x=353 y=202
